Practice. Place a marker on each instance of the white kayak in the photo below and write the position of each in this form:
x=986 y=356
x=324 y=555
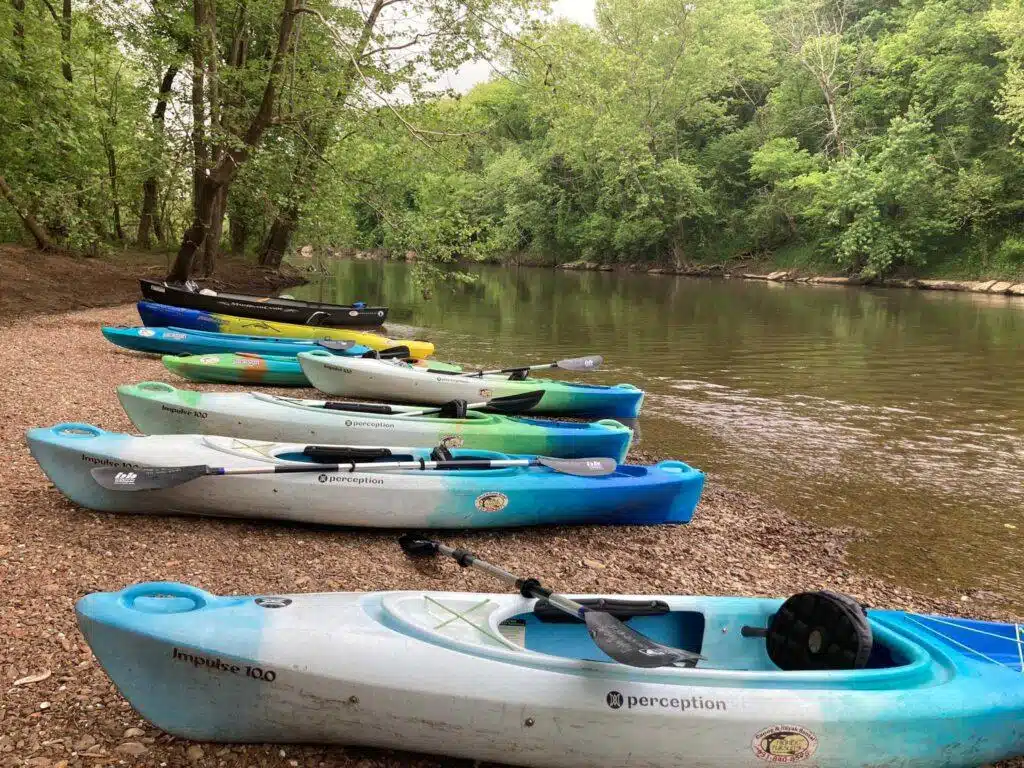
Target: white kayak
x=396 y=380
x=469 y=497
x=499 y=677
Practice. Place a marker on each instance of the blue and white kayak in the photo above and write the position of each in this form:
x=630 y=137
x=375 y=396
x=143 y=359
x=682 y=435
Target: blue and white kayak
x=498 y=677
x=182 y=341
x=465 y=498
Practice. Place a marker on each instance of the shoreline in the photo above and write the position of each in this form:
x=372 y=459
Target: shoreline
x=736 y=544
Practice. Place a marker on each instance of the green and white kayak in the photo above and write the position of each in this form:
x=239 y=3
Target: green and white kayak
x=260 y=370
x=156 y=408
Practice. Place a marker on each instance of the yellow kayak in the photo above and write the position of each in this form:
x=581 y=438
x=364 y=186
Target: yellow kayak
x=160 y=315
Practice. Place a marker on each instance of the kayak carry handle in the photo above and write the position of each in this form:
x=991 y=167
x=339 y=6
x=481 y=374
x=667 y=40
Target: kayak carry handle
x=156 y=386
x=165 y=589
x=385 y=410
x=332 y=454
x=77 y=429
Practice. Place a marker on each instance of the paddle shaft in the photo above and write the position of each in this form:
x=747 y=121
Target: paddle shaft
x=588 y=363
x=528 y=587
x=353 y=466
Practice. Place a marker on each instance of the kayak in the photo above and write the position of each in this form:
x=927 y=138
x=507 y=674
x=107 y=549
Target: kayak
x=161 y=315
x=503 y=678
x=392 y=380
x=156 y=408
x=280 y=309
x=465 y=498
x=181 y=341
x=271 y=370
x=241 y=368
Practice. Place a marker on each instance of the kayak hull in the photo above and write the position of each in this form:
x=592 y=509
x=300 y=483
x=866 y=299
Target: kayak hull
x=401 y=670
x=513 y=496
x=160 y=315
x=244 y=368
x=384 y=379
x=181 y=341
x=261 y=370
x=156 y=408
x=266 y=307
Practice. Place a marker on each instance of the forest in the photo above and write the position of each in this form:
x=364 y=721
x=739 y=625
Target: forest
x=863 y=137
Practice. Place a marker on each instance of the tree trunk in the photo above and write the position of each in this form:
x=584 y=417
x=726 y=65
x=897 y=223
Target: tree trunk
x=65 y=37
x=34 y=228
x=212 y=245
x=279 y=238
x=227 y=167
x=150 y=189
x=239 y=235
x=317 y=138
x=112 y=171
x=19 y=24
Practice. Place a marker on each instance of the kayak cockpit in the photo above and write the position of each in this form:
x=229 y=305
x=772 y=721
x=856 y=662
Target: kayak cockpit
x=524 y=632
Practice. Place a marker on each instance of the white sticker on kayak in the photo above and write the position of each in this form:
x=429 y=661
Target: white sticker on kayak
x=784 y=744
x=209 y=360
x=175 y=335
x=491 y=502
x=452 y=441
x=147 y=332
x=250 y=362
x=353 y=313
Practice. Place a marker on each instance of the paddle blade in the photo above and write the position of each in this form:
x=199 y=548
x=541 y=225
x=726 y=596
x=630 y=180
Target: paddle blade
x=597 y=467
x=627 y=646
x=335 y=346
x=416 y=546
x=147 y=478
x=588 y=363
x=516 y=403
x=393 y=352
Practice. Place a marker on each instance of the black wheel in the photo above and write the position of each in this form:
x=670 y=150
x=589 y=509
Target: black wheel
x=818 y=631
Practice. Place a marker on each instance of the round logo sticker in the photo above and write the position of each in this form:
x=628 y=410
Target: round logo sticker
x=784 y=744
x=614 y=699
x=209 y=360
x=452 y=441
x=491 y=502
x=353 y=313
x=147 y=332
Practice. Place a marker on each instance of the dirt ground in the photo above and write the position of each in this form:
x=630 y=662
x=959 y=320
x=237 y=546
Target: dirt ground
x=33 y=282
x=59 y=368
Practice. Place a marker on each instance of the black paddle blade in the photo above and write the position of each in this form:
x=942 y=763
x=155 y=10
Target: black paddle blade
x=392 y=352
x=516 y=403
x=147 y=478
x=588 y=363
x=335 y=346
x=596 y=467
x=627 y=646
x=415 y=545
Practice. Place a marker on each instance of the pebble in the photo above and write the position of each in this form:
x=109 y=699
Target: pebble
x=84 y=743
x=133 y=733
x=132 y=748
x=194 y=753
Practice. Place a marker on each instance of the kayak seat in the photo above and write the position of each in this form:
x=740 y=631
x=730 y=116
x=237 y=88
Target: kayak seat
x=570 y=639
x=520 y=374
x=454 y=409
x=818 y=631
x=620 y=609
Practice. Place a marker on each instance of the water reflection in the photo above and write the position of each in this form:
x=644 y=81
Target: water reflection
x=898 y=411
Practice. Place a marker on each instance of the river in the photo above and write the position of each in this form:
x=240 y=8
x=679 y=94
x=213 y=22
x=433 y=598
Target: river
x=899 y=412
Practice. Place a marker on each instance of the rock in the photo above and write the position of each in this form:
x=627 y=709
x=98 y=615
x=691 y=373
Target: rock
x=748 y=276
x=33 y=678
x=84 y=743
x=39 y=762
x=132 y=748
x=778 y=276
x=981 y=287
x=833 y=280
x=597 y=564
x=1016 y=290
x=134 y=733
x=1000 y=286
x=940 y=285
x=194 y=753
x=306 y=251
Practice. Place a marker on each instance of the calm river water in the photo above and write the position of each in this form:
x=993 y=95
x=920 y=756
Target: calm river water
x=901 y=412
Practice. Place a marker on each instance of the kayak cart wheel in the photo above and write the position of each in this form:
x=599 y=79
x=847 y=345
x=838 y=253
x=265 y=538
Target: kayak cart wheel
x=819 y=631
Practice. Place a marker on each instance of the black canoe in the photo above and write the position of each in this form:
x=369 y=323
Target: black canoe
x=264 y=308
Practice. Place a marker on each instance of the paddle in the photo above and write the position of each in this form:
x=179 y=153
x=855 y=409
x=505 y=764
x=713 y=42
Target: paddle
x=384 y=354
x=622 y=643
x=157 y=478
x=506 y=404
x=588 y=363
